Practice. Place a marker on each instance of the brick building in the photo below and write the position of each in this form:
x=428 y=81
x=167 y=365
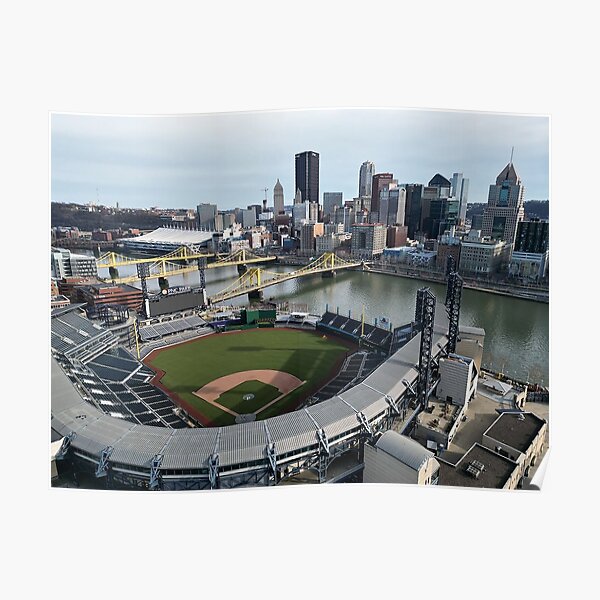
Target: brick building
x=100 y=294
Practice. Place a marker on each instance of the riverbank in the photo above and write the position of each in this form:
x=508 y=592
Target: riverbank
x=533 y=293
x=524 y=293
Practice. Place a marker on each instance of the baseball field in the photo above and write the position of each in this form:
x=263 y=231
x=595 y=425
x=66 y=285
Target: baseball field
x=229 y=377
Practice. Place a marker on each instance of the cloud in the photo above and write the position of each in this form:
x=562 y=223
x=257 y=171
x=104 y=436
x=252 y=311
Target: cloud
x=229 y=158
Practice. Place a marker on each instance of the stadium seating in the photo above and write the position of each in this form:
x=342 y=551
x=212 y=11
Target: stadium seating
x=103 y=372
x=355 y=369
x=357 y=329
x=168 y=327
x=112 y=367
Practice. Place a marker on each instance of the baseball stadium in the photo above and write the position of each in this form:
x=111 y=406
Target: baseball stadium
x=257 y=398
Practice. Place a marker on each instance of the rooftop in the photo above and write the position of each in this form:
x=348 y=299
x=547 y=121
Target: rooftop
x=479 y=467
x=106 y=287
x=440 y=416
x=516 y=430
x=494 y=389
x=173 y=236
x=404 y=449
x=459 y=358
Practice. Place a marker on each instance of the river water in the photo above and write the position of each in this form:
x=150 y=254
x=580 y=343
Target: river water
x=517 y=331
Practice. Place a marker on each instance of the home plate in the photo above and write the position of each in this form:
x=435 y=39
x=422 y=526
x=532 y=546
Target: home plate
x=245 y=418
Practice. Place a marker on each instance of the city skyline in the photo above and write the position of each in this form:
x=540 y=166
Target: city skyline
x=181 y=161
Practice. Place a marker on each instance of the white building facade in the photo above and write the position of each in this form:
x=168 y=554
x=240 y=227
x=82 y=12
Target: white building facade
x=63 y=263
x=458 y=379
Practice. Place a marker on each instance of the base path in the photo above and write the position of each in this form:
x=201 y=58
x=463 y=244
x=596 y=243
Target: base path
x=284 y=382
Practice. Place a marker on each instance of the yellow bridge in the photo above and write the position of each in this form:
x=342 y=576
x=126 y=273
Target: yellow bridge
x=167 y=265
x=112 y=259
x=256 y=279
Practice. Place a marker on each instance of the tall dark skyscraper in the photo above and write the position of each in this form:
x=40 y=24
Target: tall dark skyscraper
x=439 y=210
x=414 y=198
x=307 y=175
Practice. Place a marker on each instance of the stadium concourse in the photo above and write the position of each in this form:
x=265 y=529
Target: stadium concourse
x=115 y=425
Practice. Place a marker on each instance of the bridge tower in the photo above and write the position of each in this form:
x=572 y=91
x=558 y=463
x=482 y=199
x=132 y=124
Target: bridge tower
x=255 y=278
x=425 y=317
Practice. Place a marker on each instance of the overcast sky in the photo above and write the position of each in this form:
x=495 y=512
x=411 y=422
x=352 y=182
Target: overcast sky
x=228 y=159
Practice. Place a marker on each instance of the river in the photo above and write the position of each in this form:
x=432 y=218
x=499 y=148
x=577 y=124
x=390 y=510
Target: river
x=517 y=331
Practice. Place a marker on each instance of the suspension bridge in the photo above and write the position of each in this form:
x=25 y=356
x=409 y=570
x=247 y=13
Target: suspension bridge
x=255 y=279
x=171 y=264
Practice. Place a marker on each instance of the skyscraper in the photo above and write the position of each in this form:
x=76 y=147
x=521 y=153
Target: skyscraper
x=439 y=210
x=249 y=217
x=439 y=215
x=300 y=214
x=464 y=198
x=307 y=175
x=460 y=191
x=396 y=206
x=414 y=193
x=278 y=198
x=207 y=214
x=379 y=180
x=330 y=201
x=442 y=184
x=365 y=179
x=392 y=205
x=504 y=209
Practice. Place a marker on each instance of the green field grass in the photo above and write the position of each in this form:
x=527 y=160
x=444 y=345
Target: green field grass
x=189 y=366
x=234 y=398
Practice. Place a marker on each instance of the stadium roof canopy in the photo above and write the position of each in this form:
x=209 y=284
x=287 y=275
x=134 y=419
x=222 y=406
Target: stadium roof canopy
x=165 y=235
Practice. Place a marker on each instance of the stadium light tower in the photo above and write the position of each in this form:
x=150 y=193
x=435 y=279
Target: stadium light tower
x=143 y=271
x=453 y=296
x=426 y=305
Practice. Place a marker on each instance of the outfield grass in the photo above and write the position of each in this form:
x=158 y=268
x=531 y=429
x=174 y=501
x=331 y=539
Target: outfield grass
x=189 y=366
